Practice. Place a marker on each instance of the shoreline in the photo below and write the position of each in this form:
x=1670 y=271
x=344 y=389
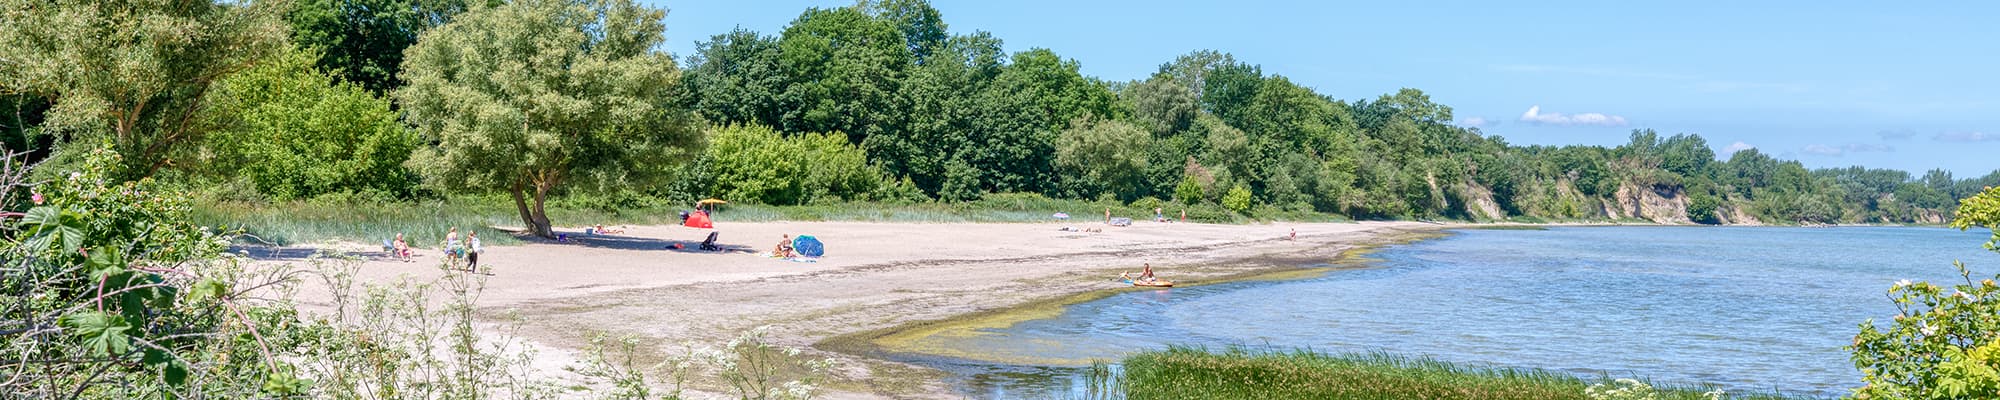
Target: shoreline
x=878 y=279
x=870 y=343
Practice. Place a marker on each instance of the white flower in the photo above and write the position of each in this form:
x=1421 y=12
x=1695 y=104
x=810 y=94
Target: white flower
x=1902 y=283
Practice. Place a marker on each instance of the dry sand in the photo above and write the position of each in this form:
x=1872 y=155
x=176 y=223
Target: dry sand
x=875 y=277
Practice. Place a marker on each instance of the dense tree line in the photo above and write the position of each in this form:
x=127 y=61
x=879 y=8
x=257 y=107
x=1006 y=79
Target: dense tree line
x=880 y=101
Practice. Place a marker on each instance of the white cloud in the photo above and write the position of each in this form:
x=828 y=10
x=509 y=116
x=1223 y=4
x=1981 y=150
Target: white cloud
x=1966 y=137
x=1536 y=116
x=1864 y=147
x=1896 y=135
x=1736 y=147
x=1475 y=122
x=1836 y=151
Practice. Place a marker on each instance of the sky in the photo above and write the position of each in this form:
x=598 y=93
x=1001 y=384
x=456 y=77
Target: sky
x=1908 y=85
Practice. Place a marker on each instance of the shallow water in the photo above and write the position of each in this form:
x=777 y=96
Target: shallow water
x=1750 y=309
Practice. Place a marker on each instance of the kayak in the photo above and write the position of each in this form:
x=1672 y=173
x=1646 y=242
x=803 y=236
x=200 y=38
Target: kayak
x=1151 y=284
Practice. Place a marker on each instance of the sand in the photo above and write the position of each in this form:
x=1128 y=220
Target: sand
x=874 y=278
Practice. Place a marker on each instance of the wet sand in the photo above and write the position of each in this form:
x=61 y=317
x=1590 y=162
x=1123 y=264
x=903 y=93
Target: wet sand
x=877 y=280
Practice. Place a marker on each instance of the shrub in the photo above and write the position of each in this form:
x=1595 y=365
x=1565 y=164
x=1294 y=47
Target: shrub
x=295 y=132
x=1704 y=209
x=1189 y=191
x=758 y=164
x=1237 y=200
x=123 y=297
x=1939 y=345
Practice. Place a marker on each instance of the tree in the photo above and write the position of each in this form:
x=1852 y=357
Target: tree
x=1192 y=69
x=844 y=70
x=735 y=78
x=296 y=132
x=363 y=40
x=138 y=73
x=923 y=29
x=1109 y=156
x=531 y=95
x=1160 y=104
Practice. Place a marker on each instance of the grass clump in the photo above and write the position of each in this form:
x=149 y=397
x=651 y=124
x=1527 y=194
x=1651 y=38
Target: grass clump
x=1239 y=373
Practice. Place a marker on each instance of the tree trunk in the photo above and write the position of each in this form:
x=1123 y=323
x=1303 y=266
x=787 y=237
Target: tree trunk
x=521 y=204
x=541 y=215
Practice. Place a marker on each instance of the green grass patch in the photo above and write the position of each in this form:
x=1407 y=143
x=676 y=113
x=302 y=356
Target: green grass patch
x=1238 y=373
x=425 y=222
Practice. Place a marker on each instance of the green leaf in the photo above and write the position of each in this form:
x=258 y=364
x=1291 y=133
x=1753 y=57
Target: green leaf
x=103 y=334
x=207 y=288
x=41 y=216
x=175 y=373
x=104 y=262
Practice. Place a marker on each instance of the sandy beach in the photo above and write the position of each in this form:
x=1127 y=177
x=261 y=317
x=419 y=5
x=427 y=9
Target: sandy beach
x=874 y=277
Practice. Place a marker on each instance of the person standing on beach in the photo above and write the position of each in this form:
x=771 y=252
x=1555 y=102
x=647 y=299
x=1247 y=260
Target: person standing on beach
x=472 y=257
x=1107 y=215
x=1158 y=216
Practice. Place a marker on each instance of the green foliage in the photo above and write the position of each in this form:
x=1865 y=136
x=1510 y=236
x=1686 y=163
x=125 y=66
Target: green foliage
x=532 y=95
x=1104 y=156
x=1939 y=345
x=295 y=133
x=109 y=265
x=1238 y=200
x=137 y=74
x=757 y=164
x=1704 y=209
x=362 y=41
x=1188 y=191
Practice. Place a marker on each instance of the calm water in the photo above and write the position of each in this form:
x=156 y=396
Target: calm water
x=1752 y=309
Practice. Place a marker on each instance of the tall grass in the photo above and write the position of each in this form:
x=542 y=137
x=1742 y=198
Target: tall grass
x=425 y=222
x=1239 y=373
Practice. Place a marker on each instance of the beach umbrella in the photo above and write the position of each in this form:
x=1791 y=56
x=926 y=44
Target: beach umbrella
x=808 y=246
x=699 y=220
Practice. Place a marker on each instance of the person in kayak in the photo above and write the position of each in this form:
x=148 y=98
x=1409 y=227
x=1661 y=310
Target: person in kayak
x=1145 y=276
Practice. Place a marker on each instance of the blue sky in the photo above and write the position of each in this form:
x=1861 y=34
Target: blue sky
x=1907 y=86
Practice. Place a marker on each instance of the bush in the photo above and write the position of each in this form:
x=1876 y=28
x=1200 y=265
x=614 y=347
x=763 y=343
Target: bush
x=1939 y=345
x=124 y=297
x=757 y=164
x=1704 y=209
x=1237 y=200
x=295 y=132
x=1188 y=192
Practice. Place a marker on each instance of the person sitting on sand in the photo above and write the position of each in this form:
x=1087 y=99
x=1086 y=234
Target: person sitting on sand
x=402 y=249
x=784 y=249
x=1158 y=216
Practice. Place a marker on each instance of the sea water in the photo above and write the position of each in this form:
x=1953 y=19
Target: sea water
x=1751 y=309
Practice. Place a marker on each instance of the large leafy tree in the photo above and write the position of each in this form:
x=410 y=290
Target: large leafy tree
x=136 y=72
x=535 y=94
x=363 y=40
x=844 y=68
x=1020 y=112
x=1107 y=156
x=735 y=78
